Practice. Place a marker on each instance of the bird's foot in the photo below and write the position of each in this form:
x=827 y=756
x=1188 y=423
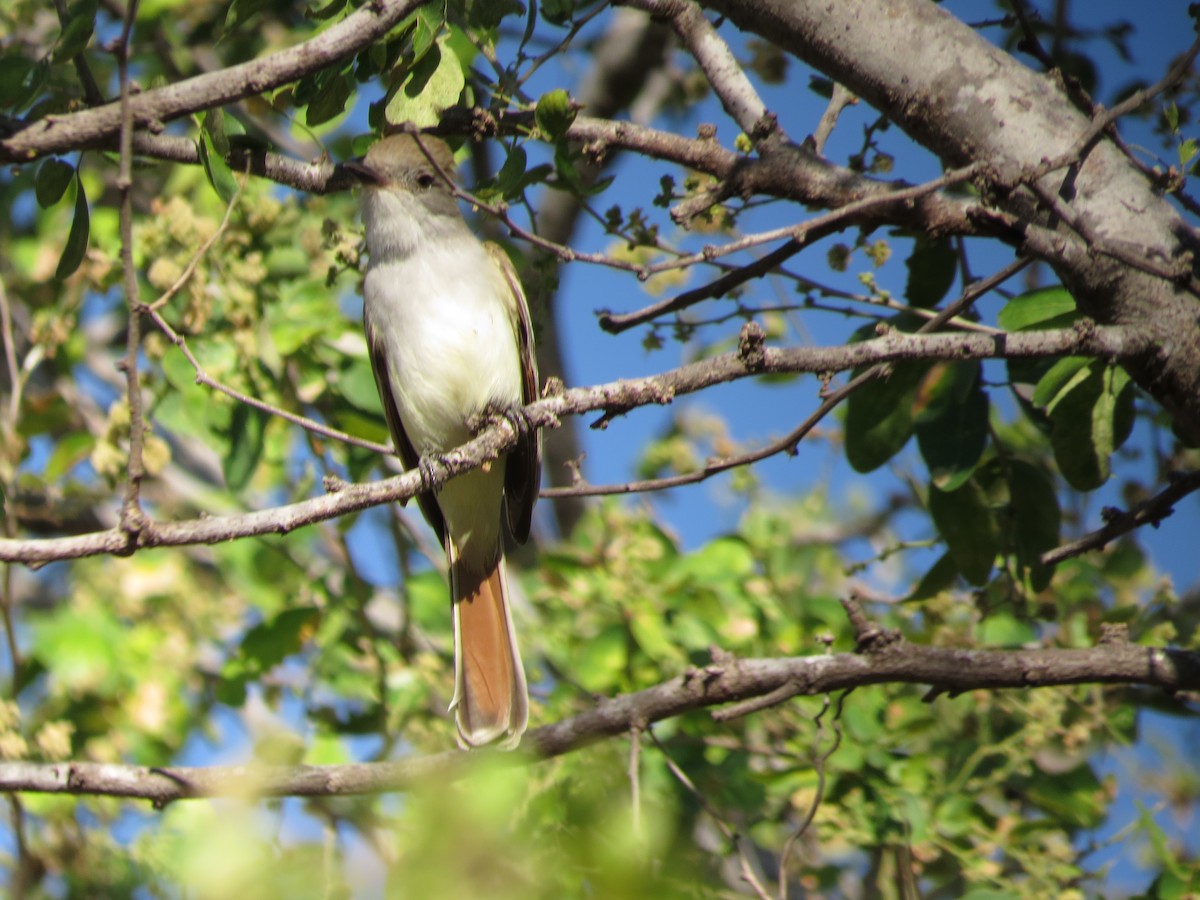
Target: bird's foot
x=514 y=414
x=425 y=468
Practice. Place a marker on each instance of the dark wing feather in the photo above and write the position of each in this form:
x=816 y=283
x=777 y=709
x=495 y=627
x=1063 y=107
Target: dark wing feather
x=404 y=447
x=523 y=470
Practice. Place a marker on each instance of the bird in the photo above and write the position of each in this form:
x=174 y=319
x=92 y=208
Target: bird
x=451 y=343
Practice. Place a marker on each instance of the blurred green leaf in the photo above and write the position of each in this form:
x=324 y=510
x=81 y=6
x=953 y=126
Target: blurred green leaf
x=330 y=99
x=1036 y=518
x=557 y=12
x=20 y=78
x=220 y=176
x=952 y=422
x=932 y=268
x=879 y=417
x=77 y=30
x=601 y=662
x=1005 y=630
x=938 y=578
x=82 y=649
x=967 y=524
x=1075 y=796
x=77 y=238
x=53 y=178
x=71 y=450
x=246 y=433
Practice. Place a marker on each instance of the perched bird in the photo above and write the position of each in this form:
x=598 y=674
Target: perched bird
x=450 y=341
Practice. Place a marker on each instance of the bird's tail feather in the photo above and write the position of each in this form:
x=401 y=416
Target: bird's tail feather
x=491 y=700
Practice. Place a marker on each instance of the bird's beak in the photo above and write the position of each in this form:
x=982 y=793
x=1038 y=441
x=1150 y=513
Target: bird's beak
x=363 y=173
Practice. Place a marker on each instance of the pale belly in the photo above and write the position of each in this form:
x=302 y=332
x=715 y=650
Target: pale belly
x=452 y=353
x=451 y=347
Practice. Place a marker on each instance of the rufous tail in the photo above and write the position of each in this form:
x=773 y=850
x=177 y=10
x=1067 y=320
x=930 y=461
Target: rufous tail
x=491 y=700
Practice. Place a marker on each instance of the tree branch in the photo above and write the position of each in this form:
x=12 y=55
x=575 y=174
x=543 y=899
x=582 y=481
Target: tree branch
x=614 y=398
x=60 y=134
x=883 y=658
x=1012 y=119
x=1119 y=522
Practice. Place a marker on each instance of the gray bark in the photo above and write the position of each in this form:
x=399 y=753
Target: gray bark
x=966 y=100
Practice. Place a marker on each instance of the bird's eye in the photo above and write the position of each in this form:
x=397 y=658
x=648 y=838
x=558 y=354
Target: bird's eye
x=425 y=180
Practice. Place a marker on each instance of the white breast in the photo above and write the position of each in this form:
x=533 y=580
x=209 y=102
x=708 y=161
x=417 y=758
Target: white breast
x=442 y=314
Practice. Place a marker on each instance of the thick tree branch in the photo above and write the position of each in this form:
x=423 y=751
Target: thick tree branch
x=884 y=658
x=613 y=398
x=720 y=66
x=968 y=101
x=64 y=133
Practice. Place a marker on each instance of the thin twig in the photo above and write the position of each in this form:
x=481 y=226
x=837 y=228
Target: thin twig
x=10 y=361
x=188 y=270
x=304 y=422
x=798 y=237
x=1148 y=512
x=838 y=101
x=735 y=839
x=788 y=443
x=131 y=510
x=635 y=780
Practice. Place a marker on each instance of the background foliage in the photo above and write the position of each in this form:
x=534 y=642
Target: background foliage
x=331 y=644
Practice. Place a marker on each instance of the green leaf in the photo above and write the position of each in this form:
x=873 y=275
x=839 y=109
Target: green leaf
x=1005 y=630
x=967 y=524
x=328 y=11
x=247 y=428
x=554 y=114
x=264 y=647
x=77 y=30
x=932 y=267
x=220 y=176
x=69 y=452
x=1090 y=419
x=952 y=422
x=940 y=577
x=330 y=99
x=650 y=631
x=600 y=664
x=725 y=558
x=430 y=20
x=269 y=643
x=20 y=77
x=50 y=183
x=558 y=12
x=1038 y=308
x=1075 y=797
x=77 y=238
x=1187 y=151
x=1036 y=518
x=357 y=384
x=879 y=417
x=431 y=86
x=511 y=177
x=82 y=648
x=1160 y=845
x=1061 y=377
x=242 y=11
